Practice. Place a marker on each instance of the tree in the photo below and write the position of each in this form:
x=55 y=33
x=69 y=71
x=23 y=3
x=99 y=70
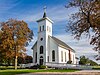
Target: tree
x=25 y=60
x=86 y=61
x=28 y=59
x=21 y=60
x=92 y=63
x=86 y=20
x=83 y=60
x=13 y=36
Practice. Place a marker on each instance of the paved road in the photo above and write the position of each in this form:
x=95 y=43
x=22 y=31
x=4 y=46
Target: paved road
x=83 y=72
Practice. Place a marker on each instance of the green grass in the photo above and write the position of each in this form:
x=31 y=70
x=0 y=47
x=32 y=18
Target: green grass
x=96 y=67
x=21 y=71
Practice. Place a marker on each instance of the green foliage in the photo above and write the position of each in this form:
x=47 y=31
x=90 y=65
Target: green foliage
x=25 y=60
x=92 y=63
x=96 y=67
x=42 y=67
x=28 y=59
x=86 y=61
x=83 y=60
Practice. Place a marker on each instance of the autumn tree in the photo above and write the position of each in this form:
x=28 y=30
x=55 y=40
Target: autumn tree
x=13 y=36
x=86 y=20
x=25 y=60
x=28 y=59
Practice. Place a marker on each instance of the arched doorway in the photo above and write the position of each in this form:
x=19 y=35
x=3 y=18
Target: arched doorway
x=41 y=60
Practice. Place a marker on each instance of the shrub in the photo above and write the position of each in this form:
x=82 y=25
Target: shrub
x=34 y=67
x=69 y=62
x=42 y=67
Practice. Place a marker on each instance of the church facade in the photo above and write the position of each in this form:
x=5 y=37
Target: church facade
x=49 y=49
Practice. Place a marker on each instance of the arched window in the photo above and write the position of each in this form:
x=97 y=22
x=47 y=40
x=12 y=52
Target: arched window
x=53 y=55
x=65 y=57
x=41 y=49
x=43 y=28
x=40 y=28
x=36 y=57
x=61 y=56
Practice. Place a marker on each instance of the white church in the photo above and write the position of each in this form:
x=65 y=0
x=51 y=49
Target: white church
x=49 y=49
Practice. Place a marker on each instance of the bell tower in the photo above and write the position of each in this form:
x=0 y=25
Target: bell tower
x=44 y=31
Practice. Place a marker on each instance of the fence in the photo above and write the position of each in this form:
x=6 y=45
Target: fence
x=59 y=65
x=70 y=66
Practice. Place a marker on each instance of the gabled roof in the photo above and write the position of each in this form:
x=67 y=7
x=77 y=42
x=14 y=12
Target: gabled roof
x=45 y=18
x=61 y=43
x=34 y=45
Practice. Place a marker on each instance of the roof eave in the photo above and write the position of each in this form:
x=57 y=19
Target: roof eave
x=44 y=19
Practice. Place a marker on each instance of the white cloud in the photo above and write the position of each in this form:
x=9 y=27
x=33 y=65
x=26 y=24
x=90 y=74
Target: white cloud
x=57 y=14
x=7 y=5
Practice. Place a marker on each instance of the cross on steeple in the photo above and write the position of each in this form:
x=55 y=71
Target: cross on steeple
x=45 y=8
x=44 y=15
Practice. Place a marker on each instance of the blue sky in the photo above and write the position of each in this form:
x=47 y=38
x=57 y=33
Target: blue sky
x=32 y=10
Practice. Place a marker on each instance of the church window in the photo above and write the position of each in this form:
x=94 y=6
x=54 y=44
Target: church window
x=36 y=57
x=41 y=49
x=40 y=28
x=41 y=39
x=48 y=58
x=65 y=56
x=53 y=55
x=62 y=56
x=43 y=27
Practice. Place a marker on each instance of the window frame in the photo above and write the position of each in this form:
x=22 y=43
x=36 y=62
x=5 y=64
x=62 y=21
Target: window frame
x=41 y=49
x=53 y=55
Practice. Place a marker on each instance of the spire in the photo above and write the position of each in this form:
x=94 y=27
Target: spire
x=44 y=15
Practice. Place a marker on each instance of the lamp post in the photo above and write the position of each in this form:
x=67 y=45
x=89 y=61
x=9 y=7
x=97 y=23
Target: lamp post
x=15 y=52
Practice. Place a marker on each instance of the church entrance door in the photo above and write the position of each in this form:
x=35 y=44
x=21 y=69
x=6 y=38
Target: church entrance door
x=41 y=60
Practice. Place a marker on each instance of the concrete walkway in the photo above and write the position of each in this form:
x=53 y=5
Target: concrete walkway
x=83 y=72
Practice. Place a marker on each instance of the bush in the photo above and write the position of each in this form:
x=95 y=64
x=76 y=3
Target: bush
x=42 y=67
x=69 y=62
x=34 y=67
x=92 y=63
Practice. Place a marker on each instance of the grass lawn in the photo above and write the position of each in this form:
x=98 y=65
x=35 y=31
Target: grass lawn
x=21 y=71
x=96 y=67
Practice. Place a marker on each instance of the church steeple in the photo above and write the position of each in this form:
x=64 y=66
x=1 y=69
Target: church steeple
x=44 y=15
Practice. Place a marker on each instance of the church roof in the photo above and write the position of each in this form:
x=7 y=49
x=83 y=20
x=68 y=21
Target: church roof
x=44 y=19
x=61 y=43
x=34 y=45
